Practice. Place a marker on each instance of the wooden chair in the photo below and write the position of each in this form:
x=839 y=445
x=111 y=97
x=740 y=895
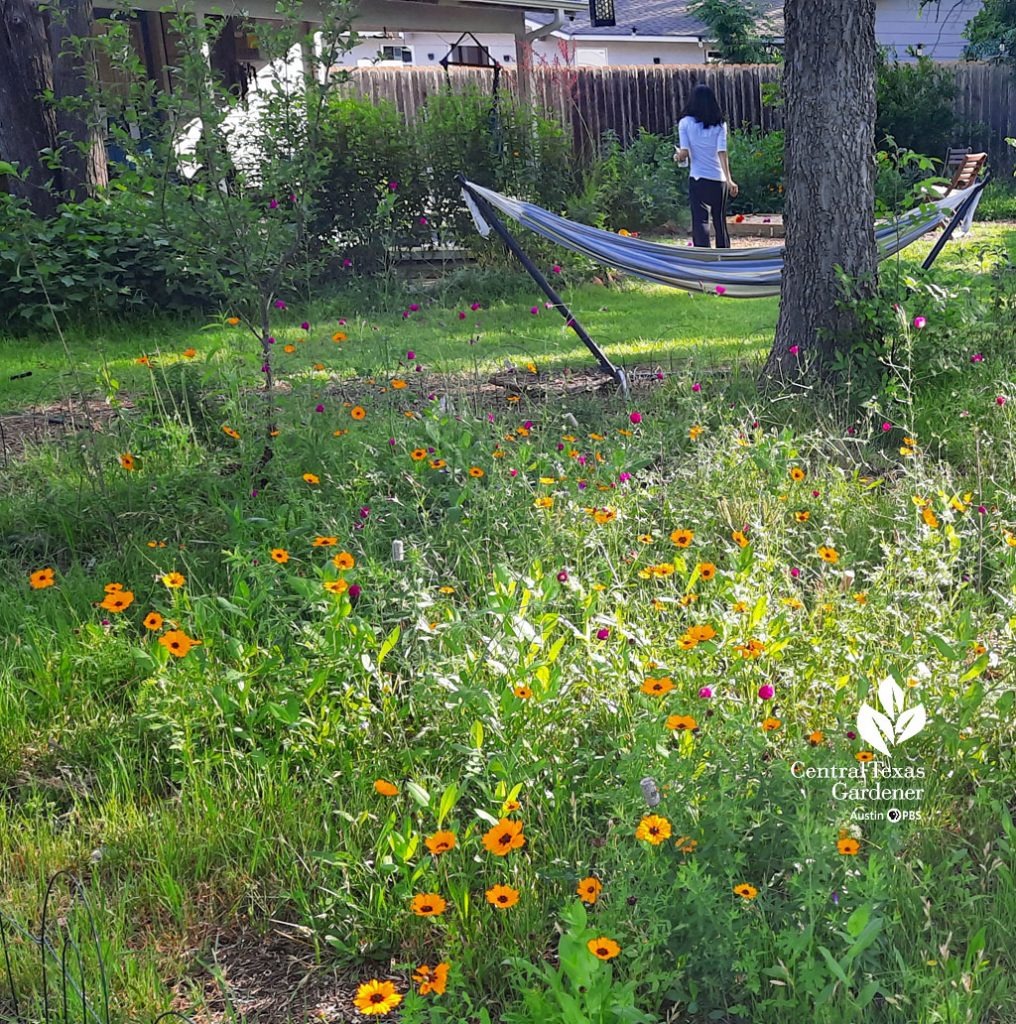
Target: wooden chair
x=966 y=173
x=953 y=158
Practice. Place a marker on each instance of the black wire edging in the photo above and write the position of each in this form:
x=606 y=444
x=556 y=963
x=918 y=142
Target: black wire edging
x=69 y=977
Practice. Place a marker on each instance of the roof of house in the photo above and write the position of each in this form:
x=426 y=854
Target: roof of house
x=657 y=18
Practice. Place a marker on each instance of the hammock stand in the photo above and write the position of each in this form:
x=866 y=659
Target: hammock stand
x=485 y=216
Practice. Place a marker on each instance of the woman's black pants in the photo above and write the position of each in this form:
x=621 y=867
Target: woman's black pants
x=708 y=196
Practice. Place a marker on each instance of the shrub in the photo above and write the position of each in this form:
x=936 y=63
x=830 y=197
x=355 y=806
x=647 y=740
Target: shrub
x=915 y=105
x=756 y=162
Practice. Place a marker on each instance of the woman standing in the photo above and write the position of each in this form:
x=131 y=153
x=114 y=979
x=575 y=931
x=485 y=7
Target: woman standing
x=703 y=135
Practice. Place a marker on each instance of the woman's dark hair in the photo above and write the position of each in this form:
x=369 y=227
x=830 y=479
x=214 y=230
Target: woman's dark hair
x=702 y=106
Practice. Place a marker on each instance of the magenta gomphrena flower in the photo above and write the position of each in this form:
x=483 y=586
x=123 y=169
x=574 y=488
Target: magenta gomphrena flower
x=534 y=310
x=405 y=314
x=347 y=262
x=602 y=634
x=393 y=185
x=623 y=478
x=556 y=268
x=273 y=205
x=548 y=305
x=696 y=387
x=720 y=290
x=410 y=356
x=816 y=494
x=1000 y=400
x=920 y=322
x=319 y=408
x=659 y=375
x=982 y=510
x=705 y=693
x=364 y=512
x=886 y=427
x=271 y=341
x=423 y=221
x=305 y=326
x=414 y=307
x=265 y=368
x=513 y=472
x=766 y=691
x=795 y=572
x=977 y=358
x=794 y=349
x=279 y=304
x=342 y=323
x=635 y=417
x=354 y=591
x=391 y=442
x=562 y=576
x=462 y=316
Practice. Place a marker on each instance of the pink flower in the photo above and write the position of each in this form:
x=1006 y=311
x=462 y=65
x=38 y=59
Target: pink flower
x=534 y=310
x=513 y=472
x=273 y=205
x=624 y=478
x=305 y=326
x=423 y=221
x=462 y=316
x=920 y=322
x=720 y=290
x=342 y=323
x=556 y=268
x=582 y=485
x=794 y=349
x=548 y=305
x=705 y=693
x=279 y=304
x=886 y=427
x=766 y=691
x=795 y=572
x=292 y=197
x=393 y=185
x=977 y=358
x=562 y=576
x=474 y=306
x=364 y=512
x=391 y=441
x=271 y=341
x=265 y=368
x=319 y=408
x=696 y=387
x=659 y=375
x=602 y=634
x=405 y=314
x=635 y=417
x=347 y=262
x=851 y=431
x=816 y=494
x=1000 y=400
x=354 y=591
x=410 y=355
x=982 y=510
x=414 y=307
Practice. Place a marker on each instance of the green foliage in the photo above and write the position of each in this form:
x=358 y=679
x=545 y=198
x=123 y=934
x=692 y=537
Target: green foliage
x=992 y=32
x=735 y=27
x=756 y=162
x=638 y=187
x=915 y=105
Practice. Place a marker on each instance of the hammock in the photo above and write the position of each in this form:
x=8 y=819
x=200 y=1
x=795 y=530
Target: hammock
x=738 y=273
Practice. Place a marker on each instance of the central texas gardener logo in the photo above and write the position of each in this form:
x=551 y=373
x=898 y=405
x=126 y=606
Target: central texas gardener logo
x=886 y=730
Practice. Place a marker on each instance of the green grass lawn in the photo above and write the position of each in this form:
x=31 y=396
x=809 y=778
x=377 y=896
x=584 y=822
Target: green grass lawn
x=556 y=694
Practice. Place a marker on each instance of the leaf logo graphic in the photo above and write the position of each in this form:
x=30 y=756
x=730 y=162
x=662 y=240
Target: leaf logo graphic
x=883 y=731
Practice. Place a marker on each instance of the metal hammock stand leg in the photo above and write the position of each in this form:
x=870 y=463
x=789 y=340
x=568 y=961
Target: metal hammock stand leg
x=487 y=211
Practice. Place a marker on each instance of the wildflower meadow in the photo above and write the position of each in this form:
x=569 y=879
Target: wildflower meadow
x=524 y=705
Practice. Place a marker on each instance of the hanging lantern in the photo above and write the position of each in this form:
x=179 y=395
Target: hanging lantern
x=601 y=13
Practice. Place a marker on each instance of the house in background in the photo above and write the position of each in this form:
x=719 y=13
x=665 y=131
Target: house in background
x=660 y=32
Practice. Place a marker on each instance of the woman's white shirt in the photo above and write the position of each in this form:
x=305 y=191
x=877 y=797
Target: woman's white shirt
x=704 y=144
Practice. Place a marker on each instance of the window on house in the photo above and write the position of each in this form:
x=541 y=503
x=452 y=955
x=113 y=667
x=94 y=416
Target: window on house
x=656 y=60
x=713 y=56
x=590 y=58
x=400 y=54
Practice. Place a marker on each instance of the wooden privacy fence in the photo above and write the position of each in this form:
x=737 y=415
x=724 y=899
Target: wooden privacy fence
x=623 y=99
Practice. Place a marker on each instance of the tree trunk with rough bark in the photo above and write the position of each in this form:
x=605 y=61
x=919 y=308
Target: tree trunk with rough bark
x=829 y=117
x=81 y=135
x=27 y=122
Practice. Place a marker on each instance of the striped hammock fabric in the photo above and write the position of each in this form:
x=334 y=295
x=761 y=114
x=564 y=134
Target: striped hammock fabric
x=739 y=273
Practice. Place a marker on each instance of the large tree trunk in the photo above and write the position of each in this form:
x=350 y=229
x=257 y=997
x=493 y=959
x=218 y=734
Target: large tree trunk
x=829 y=85
x=82 y=137
x=27 y=123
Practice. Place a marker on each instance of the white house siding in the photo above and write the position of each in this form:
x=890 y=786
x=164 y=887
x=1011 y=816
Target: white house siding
x=427 y=48
x=900 y=24
x=629 y=50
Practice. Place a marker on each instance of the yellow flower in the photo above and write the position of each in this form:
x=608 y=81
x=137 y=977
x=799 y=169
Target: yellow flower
x=385 y=788
x=739 y=539
x=376 y=998
x=603 y=948
x=848 y=847
x=544 y=502
x=42 y=578
x=174 y=580
x=501 y=897
x=696 y=432
x=344 y=560
x=589 y=889
x=440 y=842
x=177 y=642
x=653 y=829
x=682 y=538
x=310 y=478
x=504 y=837
x=828 y=554
x=745 y=891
